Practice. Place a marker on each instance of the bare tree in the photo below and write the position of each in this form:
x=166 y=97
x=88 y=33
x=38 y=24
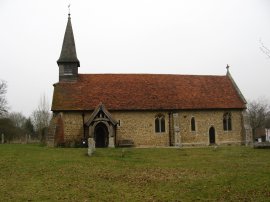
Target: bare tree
x=264 y=49
x=267 y=122
x=258 y=113
x=7 y=127
x=3 y=101
x=18 y=119
x=29 y=127
x=41 y=118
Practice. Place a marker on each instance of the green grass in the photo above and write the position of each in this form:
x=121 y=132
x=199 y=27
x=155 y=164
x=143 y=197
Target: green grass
x=34 y=173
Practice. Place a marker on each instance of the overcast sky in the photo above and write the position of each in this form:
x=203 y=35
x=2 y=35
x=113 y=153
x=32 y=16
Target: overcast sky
x=138 y=36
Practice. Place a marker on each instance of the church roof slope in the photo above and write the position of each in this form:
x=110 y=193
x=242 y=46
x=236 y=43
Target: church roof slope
x=146 y=92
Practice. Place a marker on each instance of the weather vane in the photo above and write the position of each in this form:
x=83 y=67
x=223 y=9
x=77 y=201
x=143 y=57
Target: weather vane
x=68 y=9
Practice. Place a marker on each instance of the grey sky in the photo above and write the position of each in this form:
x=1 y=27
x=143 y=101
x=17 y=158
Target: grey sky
x=142 y=36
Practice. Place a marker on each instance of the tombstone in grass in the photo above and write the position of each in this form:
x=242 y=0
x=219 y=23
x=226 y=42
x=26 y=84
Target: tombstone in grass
x=91 y=146
x=3 y=138
x=26 y=139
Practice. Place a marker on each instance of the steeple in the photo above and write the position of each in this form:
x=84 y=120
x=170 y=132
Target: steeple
x=68 y=62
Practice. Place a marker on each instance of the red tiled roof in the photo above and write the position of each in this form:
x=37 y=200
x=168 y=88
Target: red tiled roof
x=146 y=92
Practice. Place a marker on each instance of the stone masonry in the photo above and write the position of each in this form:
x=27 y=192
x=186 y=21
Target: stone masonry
x=139 y=126
x=203 y=121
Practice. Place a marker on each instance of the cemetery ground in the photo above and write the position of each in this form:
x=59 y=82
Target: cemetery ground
x=36 y=173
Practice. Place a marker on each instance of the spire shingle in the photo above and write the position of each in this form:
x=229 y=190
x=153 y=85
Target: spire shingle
x=68 y=52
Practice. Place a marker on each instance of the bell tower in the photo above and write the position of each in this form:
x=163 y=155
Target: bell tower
x=68 y=62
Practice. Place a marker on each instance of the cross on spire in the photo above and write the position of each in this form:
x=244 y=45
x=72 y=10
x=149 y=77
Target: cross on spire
x=228 y=71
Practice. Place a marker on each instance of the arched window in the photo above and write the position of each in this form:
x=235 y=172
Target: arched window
x=157 y=125
x=192 y=123
x=227 y=121
x=160 y=124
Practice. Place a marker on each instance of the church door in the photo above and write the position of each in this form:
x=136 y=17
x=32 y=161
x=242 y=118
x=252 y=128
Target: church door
x=101 y=135
x=212 y=135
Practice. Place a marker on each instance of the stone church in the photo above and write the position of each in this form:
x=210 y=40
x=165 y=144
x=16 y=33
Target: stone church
x=143 y=109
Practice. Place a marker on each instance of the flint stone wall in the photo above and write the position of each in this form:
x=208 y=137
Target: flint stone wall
x=206 y=119
x=139 y=126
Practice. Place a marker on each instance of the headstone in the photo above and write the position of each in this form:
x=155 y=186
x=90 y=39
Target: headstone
x=111 y=142
x=3 y=138
x=91 y=146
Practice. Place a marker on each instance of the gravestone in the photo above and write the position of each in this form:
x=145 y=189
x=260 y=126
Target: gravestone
x=91 y=146
x=3 y=138
x=26 y=139
x=111 y=142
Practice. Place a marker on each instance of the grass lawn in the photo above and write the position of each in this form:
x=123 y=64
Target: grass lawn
x=35 y=173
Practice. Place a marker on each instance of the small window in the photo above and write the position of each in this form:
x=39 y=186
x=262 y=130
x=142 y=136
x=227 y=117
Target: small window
x=192 y=123
x=119 y=123
x=160 y=124
x=67 y=71
x=227 y=121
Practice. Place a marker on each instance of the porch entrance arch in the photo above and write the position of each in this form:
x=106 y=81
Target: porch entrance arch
x=101 y=135
x=101 y=127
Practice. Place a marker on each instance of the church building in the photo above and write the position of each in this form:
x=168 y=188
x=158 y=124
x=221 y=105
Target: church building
x=143 y=109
